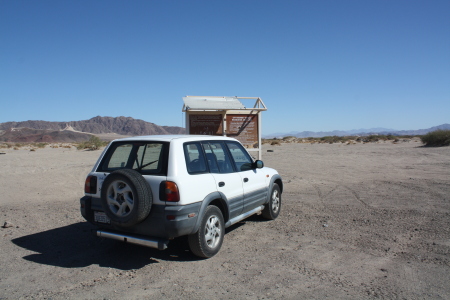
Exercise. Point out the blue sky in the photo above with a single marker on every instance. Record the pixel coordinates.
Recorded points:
(317, 65)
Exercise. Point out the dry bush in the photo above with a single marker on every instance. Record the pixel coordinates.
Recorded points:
(436, 138)
(39, 145)
(275, 143)
(94, 143)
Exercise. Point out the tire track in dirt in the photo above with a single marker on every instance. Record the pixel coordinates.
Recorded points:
(322, 196)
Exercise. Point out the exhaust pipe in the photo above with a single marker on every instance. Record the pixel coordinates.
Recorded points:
(156, 243)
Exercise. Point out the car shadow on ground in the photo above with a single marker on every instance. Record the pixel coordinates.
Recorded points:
(76, 246)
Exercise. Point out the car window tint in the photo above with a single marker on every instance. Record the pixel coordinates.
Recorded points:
(195, 160)
(242, 159)
(147, 157)
(211, 158)
(119, 157)
(223, 159)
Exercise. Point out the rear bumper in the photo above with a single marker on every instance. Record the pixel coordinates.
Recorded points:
(160, 244)
(164, 221)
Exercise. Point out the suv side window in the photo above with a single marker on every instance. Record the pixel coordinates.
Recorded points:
(195, 159)
(242, 159)
(218, 159)
(221, 154)
(211, 158)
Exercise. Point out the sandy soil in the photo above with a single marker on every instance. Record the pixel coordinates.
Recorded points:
(358, 221)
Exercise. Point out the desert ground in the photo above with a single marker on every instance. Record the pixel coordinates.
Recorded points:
(362, 221)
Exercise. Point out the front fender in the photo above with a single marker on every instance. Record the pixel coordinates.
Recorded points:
(275, 179)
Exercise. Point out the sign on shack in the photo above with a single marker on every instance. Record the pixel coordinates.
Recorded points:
(225, 116)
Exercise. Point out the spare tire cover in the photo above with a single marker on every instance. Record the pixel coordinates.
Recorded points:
(126, 197)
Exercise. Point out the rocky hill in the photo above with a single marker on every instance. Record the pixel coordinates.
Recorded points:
(98, 125)
(28, 135)
(41, 131)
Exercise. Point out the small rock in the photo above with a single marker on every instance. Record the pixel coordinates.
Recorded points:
(325, 225)
(7, 225)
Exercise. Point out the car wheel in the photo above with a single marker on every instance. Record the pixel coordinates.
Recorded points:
(206, 242)
(272, 209)
(126, 197)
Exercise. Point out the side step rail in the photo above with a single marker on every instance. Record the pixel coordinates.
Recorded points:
(243, 216)
(156, 243)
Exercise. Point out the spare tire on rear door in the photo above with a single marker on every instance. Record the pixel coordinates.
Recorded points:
(126, 197)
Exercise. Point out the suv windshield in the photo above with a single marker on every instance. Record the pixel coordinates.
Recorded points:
(145, 157)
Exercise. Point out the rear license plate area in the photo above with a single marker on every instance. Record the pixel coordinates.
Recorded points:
(101, 217)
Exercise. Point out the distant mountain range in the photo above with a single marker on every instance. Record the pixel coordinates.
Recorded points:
(44, 131)
(357, 132)
(76, 131)
(29, 135)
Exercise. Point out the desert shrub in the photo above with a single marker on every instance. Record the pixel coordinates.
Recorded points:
(334, 139)
(271, 141)
(372, 138)
(94, 143)
(436, 138)
(275, 143)
(81, 146)
(310, 140)
(40, 145)
(289, 139)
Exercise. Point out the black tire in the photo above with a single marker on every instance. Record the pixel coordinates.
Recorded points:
(272, 209)
(126, 197)
(206, 242)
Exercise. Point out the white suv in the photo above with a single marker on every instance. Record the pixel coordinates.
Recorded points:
(150, 189)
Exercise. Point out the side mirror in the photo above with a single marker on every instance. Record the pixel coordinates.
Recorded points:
(259, 164)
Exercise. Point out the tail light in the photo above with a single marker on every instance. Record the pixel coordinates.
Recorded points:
(171, 193)
(90, 185)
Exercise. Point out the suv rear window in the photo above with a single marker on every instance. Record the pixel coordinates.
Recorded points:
(145, 157)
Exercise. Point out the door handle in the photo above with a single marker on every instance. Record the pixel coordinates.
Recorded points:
(245, 179)
(221, 184)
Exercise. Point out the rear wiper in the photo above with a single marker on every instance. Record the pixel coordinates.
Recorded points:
(148, 164)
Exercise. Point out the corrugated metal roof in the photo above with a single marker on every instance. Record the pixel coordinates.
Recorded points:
(207, 103)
